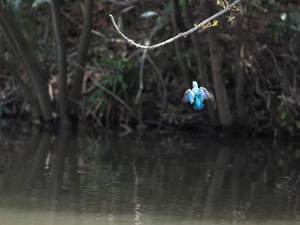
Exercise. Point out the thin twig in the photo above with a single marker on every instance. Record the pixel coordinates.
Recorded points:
(96, 83)
(122, 2)
(89, 111)
(144, 55)
(10, 100)
(115, 96)
(141, 86)
(180, 35)
(162, 82)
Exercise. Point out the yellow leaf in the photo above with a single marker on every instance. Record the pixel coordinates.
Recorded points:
(236, 8)
(230, 18)
(215, 23)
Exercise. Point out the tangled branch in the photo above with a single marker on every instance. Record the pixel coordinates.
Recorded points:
(180, 35)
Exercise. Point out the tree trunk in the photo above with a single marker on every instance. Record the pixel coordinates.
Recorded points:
(176, 21)
(20, 47)
(61, 62)
(82, 54)
(216, 65)
(240, 76)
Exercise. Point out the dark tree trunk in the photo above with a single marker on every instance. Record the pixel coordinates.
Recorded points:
(21, 49)
(240, 76)
(179, 50)
(82, 54)
(218, 78)
(61, 62)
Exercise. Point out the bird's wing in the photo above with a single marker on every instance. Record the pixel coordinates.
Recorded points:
(188, 96)
(206, 94)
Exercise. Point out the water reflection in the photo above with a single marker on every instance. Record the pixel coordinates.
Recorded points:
(169, 180)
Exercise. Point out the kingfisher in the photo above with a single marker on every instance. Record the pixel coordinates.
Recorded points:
(196, 95)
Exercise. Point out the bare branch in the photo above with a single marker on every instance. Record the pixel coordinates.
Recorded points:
(180, 35)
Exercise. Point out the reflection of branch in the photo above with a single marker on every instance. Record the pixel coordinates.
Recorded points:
(137, 216)
(180, 35)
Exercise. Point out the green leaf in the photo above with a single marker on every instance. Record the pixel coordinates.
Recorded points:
(14, 5)
(181, 3)
(168, 7)
(36, 3)
(276, 31)
(280, 162)
(159, 21)
(148, 14)
(283, 115)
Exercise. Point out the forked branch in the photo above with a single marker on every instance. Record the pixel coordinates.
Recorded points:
(180, 35)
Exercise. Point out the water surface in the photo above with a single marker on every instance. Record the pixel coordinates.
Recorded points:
(179, 179)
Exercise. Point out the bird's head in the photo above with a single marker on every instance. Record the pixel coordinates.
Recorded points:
(195, 84)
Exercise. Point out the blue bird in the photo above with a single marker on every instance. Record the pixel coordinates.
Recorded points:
(196, 96)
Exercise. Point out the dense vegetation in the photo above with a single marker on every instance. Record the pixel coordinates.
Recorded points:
(66, 63)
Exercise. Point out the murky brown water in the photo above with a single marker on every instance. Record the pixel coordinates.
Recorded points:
(168, 180)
